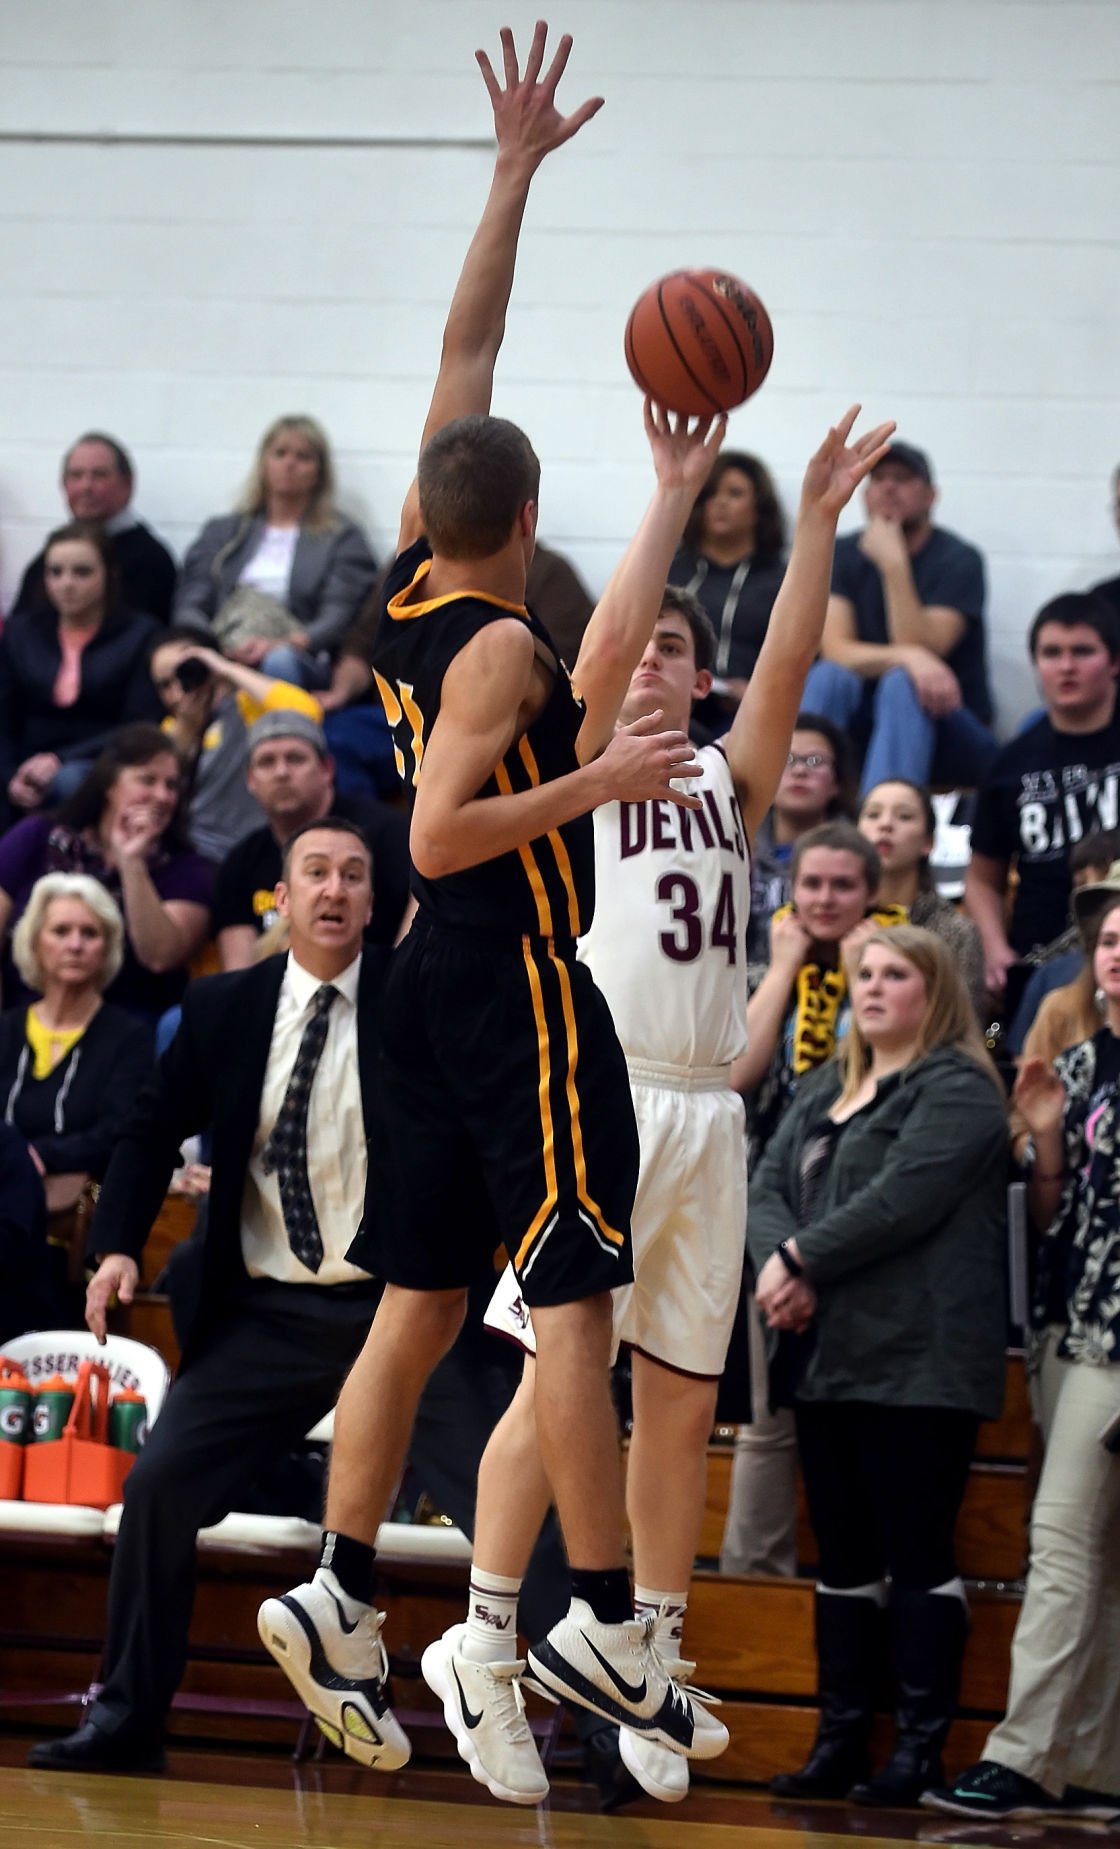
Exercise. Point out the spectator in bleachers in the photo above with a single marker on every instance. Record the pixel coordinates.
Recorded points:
(73, 669)
(1061, 964)
(1052, 784)
(98, 480)
(124, 826)
(898, 819)
(814, 789)
(732, 558)
(800, 1008)
(555, 592)
(211, 703)
(1057, 1751)
(878, 1234)
(291, 776)
(904, 660)
(70, 1062)
(354, 722)
(281, 580)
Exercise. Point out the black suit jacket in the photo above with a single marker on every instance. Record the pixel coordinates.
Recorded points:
(211, 1077)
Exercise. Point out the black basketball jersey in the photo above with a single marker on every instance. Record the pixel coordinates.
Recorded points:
(547, 887)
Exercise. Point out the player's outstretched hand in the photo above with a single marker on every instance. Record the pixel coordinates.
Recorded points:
(641, 762)
(835, 472)
(684, 448)
(527, 123)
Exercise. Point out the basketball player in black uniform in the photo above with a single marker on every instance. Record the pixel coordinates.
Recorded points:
(509, 1106)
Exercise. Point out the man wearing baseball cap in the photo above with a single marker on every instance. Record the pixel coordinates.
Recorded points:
(291, 775)
(903, 662)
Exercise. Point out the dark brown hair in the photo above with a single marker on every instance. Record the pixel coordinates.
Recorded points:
(841, 838)
(475, 476)
(133, 745)
(770, 528)
(686, 604)
(93, 534)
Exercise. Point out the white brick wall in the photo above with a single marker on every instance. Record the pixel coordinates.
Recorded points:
(212, 211)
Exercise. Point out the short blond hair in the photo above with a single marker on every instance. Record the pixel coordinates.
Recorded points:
(98, 902)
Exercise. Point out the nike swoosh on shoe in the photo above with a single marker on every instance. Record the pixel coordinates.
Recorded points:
(346, 1629)
(323, 1671)
(628, 1690)
(471, 1718)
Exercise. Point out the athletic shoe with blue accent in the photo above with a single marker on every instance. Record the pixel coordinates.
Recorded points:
(991, 1790)
(484, 1708)
(329, 1647)
(614, 1670)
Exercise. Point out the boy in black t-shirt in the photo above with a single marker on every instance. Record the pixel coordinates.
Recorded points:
(1057, 781)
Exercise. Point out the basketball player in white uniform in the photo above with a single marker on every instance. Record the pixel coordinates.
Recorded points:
(667, 948)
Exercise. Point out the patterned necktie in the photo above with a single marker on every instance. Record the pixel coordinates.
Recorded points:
(285, 1151)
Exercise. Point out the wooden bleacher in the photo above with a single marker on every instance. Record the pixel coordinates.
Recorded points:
(752, 1637)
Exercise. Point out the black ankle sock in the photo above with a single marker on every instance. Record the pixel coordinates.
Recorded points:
(351, 1562)
(607, 1593)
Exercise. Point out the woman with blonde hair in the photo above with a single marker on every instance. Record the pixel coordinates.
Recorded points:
(282, 579)
(877, 1229)
(70, 1063)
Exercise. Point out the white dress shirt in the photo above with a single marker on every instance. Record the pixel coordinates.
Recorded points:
(336, 1138)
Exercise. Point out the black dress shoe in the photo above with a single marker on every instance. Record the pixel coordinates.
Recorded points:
(604, 1767)
(92, 1749)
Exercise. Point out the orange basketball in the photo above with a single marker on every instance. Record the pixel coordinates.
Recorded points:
(699, 341)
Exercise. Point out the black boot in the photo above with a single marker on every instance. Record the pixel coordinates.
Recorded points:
(849, 1632)
(928, 1634)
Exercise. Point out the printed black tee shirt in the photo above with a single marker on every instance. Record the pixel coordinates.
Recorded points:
(244, 892)
(1045, 791)
(545, 889)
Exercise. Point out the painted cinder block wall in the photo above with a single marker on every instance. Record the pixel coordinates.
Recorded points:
(212, 211)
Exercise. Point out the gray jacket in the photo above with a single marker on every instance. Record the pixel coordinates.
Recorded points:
(907, 1247)
(332, 574)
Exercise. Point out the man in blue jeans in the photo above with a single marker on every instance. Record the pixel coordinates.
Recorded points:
(903, 662)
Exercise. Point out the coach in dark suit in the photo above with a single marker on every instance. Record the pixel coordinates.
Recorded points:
(281, 1313)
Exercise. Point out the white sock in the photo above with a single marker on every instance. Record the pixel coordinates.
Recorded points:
(491, 1633)
(667, 1609)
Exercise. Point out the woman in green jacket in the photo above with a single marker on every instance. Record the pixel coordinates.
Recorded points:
(877, 1229)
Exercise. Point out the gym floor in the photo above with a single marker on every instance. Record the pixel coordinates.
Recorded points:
(233, 1800)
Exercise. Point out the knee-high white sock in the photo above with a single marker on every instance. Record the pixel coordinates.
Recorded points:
(491, 1633)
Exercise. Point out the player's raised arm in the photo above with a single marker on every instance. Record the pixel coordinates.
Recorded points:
(757, 744)
(622, 621)
(528, 126)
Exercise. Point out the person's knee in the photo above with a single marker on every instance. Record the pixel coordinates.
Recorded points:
(156, 1478)
(832, 690)
(586, 1323)
(895, 689)
(679, 1405)
(429, 1320)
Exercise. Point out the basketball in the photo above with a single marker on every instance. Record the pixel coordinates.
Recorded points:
(699, 341)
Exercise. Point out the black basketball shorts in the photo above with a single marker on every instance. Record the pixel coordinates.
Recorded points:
(507, 1119)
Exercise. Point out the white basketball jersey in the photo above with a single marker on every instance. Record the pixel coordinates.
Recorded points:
(668, 942)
